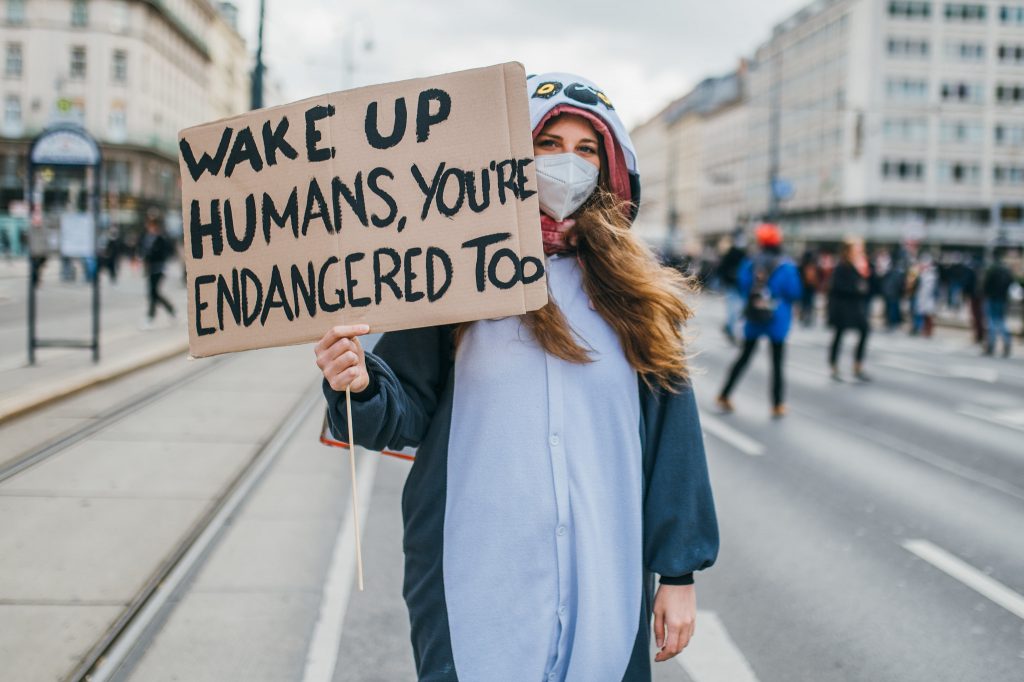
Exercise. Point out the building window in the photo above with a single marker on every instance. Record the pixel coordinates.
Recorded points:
(906, 171)
(1008, 175)
(117, 124)
(79, 13)
(119, 69)
(973, 93)
(907, 48)
(77, 69)
(1011, 54)
(959, 173)
(907, 89)
(1009, 94)
(965, 52)
(1009, 135)
(1011, 14)
(910, 10)
(120, 15)
(12, 115)
(905, 129)
(16, 11)
(958, 11)
(962, 132)
(12, 61)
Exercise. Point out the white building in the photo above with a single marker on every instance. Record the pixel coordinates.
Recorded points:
(133, 72)
(693, 157)
(896, 120)
(892, 119)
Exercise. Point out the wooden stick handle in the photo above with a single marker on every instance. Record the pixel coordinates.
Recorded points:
(355, 495)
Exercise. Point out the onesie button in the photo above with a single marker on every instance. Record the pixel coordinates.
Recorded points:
(561, 530)
(554, 439)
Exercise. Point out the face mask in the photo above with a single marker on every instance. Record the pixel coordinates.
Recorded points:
(564, 182)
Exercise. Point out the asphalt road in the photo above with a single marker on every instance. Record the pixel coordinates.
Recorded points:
(876, 533)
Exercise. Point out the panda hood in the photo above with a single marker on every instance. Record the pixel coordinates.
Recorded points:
(552, 94)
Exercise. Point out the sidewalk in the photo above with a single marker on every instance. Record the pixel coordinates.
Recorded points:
(64, 311)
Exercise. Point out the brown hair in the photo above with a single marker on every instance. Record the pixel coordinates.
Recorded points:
(638, 297)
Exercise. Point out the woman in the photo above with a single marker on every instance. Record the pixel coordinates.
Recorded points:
(560, 460)
(848, 297)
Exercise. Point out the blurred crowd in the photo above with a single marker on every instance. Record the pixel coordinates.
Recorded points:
(907, 287)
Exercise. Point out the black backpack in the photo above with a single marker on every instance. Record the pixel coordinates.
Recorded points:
(761, 304)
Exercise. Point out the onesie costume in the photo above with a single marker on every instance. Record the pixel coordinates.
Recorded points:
(545, 495)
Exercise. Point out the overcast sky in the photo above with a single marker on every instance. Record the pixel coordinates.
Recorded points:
(643, 53)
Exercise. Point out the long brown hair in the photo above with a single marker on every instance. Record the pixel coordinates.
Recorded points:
(639, 298)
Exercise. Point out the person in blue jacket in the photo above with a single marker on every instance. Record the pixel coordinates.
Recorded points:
(560, 463)
(770, 284)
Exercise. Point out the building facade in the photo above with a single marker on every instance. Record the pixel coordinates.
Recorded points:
(693, 155)
(896, 120)
(133, 73)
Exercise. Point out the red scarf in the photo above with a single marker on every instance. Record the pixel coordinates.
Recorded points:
(553, 234)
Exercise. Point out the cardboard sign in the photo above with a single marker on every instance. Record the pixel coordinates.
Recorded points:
(401, 205)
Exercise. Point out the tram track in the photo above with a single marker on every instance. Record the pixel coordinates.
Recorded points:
(104, 419)
(116, 652)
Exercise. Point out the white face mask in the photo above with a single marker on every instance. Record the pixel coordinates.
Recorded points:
(564, 182)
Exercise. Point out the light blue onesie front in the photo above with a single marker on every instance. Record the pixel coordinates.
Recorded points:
(542, 536)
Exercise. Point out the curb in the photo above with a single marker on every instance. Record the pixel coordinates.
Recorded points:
(54, 391)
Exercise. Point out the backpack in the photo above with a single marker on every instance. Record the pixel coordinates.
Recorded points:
(761, 303)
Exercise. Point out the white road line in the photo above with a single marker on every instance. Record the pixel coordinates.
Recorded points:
(968, 575)
(722, 431)
(1006, 418)
(712, 656)
(322, 655)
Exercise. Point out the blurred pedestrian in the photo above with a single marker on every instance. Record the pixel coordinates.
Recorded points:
(111, 248)
(567, 439)
(925, 294)
(5, 244)
(809, 282)
(848, 297)
(972, 294)
(892, 285)
(996, 289)
(728, 275)
(156, 249)
(770, 284)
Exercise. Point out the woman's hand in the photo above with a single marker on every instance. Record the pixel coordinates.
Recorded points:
(675, 610)
(339, 355)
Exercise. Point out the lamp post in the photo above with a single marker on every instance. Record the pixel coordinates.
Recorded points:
(256, 101)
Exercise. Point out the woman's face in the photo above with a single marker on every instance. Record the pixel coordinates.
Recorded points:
(569, 133)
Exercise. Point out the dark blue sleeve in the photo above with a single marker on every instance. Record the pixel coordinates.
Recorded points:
(408, 372)
(680, 525)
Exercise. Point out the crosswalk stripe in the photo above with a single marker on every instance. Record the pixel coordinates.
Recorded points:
(722, 431)
(712, 656)
(322, 655)
(968, 575)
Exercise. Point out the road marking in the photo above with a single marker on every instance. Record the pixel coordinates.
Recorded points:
(987, 375)
(712, 656)
(1011, 419)
(968, 575)
(901, 447)
(722, 431)
(322, 655)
